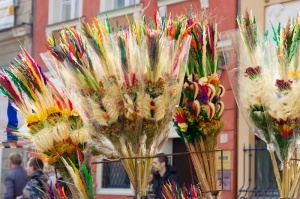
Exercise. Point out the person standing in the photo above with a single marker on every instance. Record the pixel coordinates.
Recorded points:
(16, 179)
(165, 173)
(37, 186)
(150, 192)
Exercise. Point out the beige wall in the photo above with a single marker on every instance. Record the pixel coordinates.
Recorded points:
(258, 8)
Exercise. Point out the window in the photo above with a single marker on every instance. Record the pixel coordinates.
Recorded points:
(66, 10)
(63, 10)
(114, 176)
(161, 3)
(121, 3)
(69, 9)
(118, 8)
(265, 182)
(108, 5)
(264, 179)
(112, 179)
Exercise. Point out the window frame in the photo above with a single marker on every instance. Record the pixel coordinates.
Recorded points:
(109, 5)
(135, 9)
(54, 5)
(161, 3)
(49, 29)
(110, 191)
(167, 148)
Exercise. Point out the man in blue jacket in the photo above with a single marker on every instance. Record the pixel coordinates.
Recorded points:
(165, 173)
(15, 180)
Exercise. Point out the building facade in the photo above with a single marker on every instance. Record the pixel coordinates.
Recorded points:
(15, 31)
(51, 15)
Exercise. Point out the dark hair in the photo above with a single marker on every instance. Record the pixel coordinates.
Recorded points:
(162, 158)
(15, 158)
(36, 163)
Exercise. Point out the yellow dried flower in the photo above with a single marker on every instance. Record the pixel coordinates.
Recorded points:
(66, 112)
(183, 127)
(295, 74)
(52, 110)
(33, 118)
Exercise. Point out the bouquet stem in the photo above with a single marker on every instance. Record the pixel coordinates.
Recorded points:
(276, 171)
(198, 166)
(289, 183)
(138, 170)
(209, 195)
(204, 161)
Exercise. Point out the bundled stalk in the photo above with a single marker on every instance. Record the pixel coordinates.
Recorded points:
(282, 112)
(251, 84)
(129, 82)
(52, 124)
(198, 117)
(270, 95)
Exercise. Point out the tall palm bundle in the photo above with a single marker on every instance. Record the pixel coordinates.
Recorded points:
(282, 104)
(127, 84)
(198, 116)
(249, 86)
(53, 125)
(252, 75)
(267, 85)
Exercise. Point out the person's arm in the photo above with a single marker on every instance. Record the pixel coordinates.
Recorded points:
(32, 189)
(9, 187)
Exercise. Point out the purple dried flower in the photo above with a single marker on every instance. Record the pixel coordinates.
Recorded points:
(202, 98)
(50, 191)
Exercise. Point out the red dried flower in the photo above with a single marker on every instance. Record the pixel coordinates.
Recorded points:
(253, 72)
(283, 85)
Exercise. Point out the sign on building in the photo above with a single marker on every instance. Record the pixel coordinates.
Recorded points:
(7, 14)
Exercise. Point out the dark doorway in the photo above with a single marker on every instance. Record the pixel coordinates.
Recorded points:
(183, 164)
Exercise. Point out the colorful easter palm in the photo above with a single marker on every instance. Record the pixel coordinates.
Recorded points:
(198, 117)
(266, 87)
(283, 102)
(53, 125)
(251, 76)
(249, 80)
(127, 84)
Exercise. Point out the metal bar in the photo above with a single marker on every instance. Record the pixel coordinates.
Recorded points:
(244, 160)
(171, 154)
(135, 179)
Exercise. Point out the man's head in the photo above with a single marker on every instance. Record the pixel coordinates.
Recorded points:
(33, 164)
(160, 162)
(15, 159)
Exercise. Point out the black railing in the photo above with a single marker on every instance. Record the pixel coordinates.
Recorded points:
(114, 175)
(260, 183)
